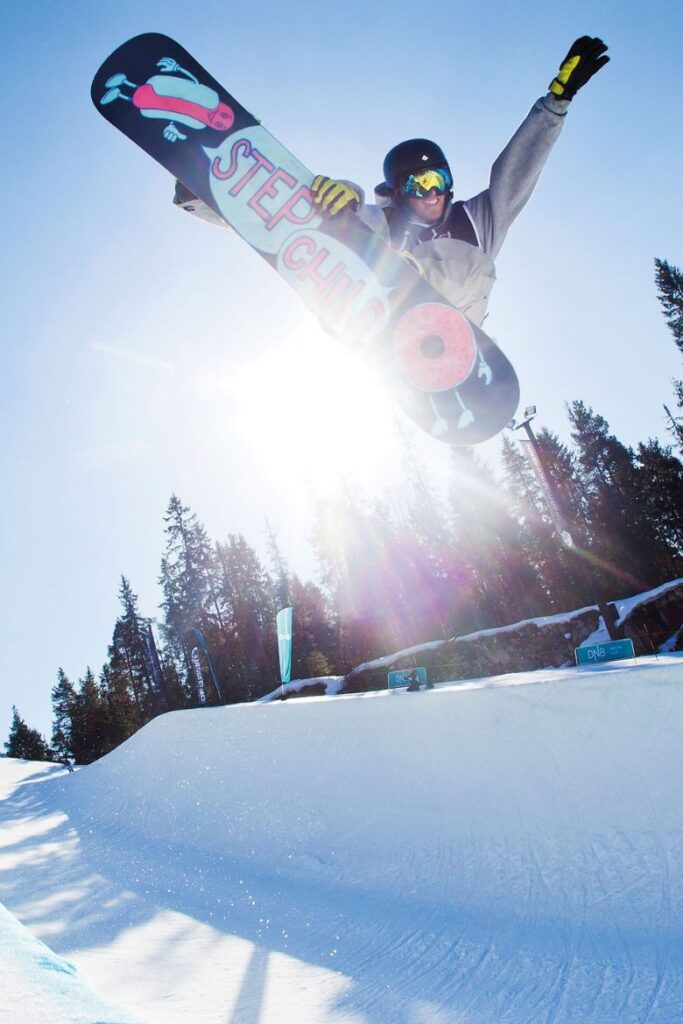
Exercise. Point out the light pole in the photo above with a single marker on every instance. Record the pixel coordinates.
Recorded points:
(535, 457)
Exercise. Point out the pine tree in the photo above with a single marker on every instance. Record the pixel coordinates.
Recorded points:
(248, 607)
(89, 739)
(122, 715)
(495, 579)
(183, 572)
(549, 509)
(619, 531)
(419, 543)
(63, 711)
(189, 585)
(329, 567)
(279, 570)
(669, 281)
(129, 661)
(351, 545)
(661, 475)
(313, 649)
(396, 565)
(676, 422)
(26, 743)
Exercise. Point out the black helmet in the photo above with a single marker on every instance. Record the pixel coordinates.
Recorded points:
(408, 157)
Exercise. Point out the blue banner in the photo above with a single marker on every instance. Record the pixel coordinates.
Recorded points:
(284, 642)
(152, 661)
(198, 677)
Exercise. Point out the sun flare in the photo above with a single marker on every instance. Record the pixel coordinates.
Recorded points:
(313, 414)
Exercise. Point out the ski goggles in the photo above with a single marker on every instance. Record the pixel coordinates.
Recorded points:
(420, 184)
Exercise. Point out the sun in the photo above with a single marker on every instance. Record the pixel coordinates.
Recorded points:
(312, 413)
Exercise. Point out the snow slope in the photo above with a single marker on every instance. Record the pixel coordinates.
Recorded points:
(38, 985)
(508, 850)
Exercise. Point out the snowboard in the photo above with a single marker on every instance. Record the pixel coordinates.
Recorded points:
(443, 370)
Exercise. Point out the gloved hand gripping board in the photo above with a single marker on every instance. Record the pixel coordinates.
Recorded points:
(448, 376)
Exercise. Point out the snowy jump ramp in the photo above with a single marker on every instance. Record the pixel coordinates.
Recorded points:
(503, 851)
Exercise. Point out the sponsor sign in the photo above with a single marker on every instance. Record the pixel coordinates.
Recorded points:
(613, 650)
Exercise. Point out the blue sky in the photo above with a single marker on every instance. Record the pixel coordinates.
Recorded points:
(144, 353)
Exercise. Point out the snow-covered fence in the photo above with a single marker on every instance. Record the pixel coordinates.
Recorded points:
(651, 620)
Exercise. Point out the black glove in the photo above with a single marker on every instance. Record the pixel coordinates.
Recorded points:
(333, 196)
(585, 57)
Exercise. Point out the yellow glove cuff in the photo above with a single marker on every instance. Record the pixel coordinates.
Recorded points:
(558, 83)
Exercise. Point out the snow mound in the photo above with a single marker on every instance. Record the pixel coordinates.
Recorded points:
(508, 850)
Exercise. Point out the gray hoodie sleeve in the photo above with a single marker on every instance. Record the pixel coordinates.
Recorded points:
(515, 173)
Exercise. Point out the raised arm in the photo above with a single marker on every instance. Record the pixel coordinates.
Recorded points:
(516, 171)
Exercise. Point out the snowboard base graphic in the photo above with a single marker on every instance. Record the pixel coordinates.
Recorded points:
(449, 376)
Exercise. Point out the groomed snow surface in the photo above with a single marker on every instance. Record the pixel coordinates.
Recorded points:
(508, 850)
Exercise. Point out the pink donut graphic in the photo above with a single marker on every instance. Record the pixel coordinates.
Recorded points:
(435, 347)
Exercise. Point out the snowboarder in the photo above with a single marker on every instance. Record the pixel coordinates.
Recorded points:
(453, 244)
(413, 679)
